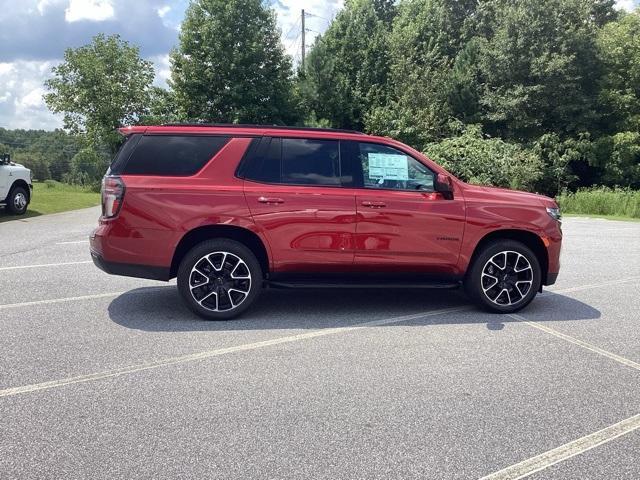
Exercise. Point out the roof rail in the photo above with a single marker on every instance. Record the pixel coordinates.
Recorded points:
(270, 127)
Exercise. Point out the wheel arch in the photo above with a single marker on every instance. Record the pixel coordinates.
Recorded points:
(207, 232)
(20, 183)
(528, 238)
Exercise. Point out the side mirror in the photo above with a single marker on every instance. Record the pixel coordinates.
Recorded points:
(444, 185)
(5, 158)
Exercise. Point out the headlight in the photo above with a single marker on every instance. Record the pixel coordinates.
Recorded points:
(554, 213)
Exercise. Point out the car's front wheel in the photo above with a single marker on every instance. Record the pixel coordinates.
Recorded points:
(504, 277)
(219, 279)
(18, 200)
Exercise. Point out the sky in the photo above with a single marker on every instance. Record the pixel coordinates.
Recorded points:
(35, 33)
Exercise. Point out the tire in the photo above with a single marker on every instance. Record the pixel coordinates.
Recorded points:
(219, 279)
(18, 200)
(504, 277)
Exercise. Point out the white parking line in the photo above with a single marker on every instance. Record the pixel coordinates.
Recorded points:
(576, 341)
(594, 285)
(566, 451)
(42, 265)
(59, 300)
(220, 351)
(72, 243)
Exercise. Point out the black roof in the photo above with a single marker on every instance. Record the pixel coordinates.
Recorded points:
(270, 127)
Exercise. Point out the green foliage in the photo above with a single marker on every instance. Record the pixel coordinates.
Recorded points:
(163, 108)
(48, 154)
(488, 161)
(556, 82)
(427, 36)
(601, 201)
(618, 158)
(619, 51)
(559, 158)
(100, 87)
(230, 65)
(538, 67)
(346, 72)
(87, 168)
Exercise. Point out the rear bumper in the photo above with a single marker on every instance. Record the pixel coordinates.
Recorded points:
(130, 270)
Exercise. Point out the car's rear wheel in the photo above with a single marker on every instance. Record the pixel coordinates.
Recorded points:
(504, 277)
(18, 200)
(219, 279)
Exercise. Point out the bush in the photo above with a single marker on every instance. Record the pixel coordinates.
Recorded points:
(487, 161)
(87, 168)
(620, 202)
(51, 183)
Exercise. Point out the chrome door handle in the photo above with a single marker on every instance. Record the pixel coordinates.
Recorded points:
(369, 204)
(270, 200)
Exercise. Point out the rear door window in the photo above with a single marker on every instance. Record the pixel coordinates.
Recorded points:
(310, 162)
(172, 155)
(296, 161)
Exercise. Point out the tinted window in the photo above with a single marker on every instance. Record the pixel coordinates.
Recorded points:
(172, 155)
(310, 162)
(295, 162)
(390, 169)
(263, 164)
(120, 160)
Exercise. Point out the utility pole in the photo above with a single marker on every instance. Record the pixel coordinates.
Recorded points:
(303, 45)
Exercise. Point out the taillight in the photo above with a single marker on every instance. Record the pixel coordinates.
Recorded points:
(112, 196)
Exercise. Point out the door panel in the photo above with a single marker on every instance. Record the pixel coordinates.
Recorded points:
(403, 225)
(293, 187)
(416, 232)
(308, 228)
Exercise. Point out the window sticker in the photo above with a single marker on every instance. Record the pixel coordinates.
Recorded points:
(388, 166)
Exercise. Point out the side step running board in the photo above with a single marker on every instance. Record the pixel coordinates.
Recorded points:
(307, 284)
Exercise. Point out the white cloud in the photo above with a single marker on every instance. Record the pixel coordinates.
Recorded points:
(21, 102)
(32, 100)
(628, 5)
(162, 11)
(21, 80)
(93, 10)
(162, 67)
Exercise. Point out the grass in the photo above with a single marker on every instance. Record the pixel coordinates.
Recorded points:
(55, 197)
(618, 203)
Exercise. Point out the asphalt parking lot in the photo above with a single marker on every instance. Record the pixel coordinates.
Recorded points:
(110, 377)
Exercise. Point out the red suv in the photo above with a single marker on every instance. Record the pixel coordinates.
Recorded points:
(230, 209)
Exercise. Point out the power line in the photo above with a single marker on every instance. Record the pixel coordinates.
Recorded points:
(295, 26)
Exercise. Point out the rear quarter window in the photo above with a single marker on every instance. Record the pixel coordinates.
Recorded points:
(172, 155)
(124, 152)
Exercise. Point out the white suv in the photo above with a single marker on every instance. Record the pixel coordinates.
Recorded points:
(16, 186)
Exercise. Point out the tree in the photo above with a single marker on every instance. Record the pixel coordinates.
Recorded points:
(538, 67)
(230, 65)
(163, 108)
(426, 38)
(87, 167)
(619, 51)
(347, 69)
(100, 87)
